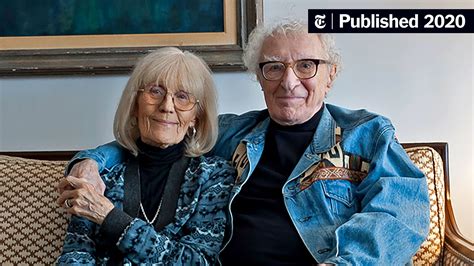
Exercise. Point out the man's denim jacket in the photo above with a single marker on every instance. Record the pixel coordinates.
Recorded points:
(354, 196)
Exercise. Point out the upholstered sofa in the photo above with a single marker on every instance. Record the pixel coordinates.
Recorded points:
(32, 226)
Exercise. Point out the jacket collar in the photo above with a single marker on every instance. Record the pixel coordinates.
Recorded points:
(325, 136)
(323, 140)
(257, 135)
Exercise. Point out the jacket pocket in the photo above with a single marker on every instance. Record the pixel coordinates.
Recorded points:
(340, 194)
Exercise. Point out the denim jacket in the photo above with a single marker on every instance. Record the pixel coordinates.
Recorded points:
(194, 236)
(354, 196)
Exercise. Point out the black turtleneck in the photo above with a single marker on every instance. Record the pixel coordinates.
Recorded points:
(155, 164)
(263, 232)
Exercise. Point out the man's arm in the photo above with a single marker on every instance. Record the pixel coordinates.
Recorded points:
(106, 156)
(394, 217)
(86, 169)
(88, 164)
(232, 128)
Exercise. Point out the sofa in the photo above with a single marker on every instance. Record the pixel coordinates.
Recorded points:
(32, 225)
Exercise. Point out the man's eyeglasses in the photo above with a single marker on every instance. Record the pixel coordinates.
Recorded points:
(303, 69)
(155, 94)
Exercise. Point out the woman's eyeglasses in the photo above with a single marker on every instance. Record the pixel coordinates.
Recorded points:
(155, 94)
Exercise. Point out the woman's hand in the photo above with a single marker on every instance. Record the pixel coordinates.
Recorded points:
(86, 169)
(83, 200)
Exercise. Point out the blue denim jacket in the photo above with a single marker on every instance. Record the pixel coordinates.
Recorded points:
(354, 196)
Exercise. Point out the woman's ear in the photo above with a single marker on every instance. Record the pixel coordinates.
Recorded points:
(193, 122)
(135, 109)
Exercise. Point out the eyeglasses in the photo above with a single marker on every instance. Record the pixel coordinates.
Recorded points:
(303, 69)
(155, 94)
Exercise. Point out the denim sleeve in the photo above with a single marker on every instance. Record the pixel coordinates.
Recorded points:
(199, 240)
(394, 218)
(79, 247)
(106, 156)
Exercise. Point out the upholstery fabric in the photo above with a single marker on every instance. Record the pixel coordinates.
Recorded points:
(32, 225)
(431, 164)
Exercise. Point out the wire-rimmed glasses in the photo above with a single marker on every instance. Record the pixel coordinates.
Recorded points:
(155, 94)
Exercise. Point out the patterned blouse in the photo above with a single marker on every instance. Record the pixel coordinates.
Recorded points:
(194, 236)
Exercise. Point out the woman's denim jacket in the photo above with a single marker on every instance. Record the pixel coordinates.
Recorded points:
(354, 196)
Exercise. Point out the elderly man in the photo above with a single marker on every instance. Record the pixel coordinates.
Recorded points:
(316, 183)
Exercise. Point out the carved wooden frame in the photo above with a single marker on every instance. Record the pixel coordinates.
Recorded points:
(121, 60)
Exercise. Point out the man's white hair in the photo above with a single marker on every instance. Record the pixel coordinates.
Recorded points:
(285, 27)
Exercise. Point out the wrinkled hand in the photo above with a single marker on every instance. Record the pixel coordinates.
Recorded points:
(84, 200)
(87, 170)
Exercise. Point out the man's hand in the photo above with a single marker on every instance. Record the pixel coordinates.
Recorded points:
(88, 171)
(84, 200)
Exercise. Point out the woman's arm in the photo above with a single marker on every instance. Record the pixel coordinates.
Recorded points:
(79, 247)
(88, 209)
(196, 241)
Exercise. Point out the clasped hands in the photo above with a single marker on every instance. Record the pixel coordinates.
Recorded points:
(81, 192)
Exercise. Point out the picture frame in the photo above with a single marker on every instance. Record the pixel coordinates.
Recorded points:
(222, 51)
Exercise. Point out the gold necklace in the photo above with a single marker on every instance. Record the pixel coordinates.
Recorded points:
(156, 214)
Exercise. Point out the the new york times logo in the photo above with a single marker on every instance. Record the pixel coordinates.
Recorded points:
(320, 21)
(391, 21)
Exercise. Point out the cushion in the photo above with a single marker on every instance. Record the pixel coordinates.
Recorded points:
(32, 225)
(431, 164)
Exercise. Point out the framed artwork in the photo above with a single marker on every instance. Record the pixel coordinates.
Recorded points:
(65, 37)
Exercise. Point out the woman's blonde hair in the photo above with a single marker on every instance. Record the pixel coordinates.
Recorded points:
(171, 68)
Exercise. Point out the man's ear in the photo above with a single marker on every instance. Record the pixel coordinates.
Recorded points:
(259, 79)
(332, 76)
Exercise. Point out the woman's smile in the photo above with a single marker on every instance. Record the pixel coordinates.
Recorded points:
(165, 122)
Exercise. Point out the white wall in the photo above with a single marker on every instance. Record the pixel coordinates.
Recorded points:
(423, 82)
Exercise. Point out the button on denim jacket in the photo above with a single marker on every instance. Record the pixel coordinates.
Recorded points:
(354, 197)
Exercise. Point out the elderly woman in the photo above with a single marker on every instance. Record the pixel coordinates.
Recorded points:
(166, 203)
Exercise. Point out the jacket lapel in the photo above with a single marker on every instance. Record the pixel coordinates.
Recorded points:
(131, 203)
(171, 193)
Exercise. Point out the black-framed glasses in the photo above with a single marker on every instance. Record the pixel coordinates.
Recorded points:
(303, 68)
(155, 94)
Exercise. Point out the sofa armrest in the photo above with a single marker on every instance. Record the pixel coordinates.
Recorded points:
(458, 249)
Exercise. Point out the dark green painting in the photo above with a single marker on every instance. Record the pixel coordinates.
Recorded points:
(84, 17)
